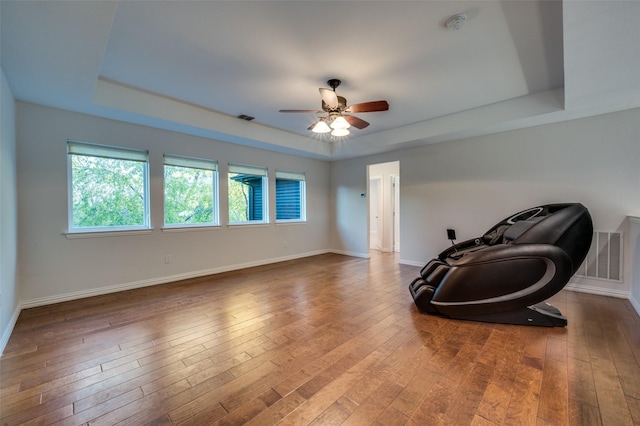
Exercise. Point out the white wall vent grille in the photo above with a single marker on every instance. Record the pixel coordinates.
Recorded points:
(604, 260)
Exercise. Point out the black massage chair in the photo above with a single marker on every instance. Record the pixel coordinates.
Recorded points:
(505, 275)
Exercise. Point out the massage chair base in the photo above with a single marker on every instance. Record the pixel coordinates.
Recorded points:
(541, 315)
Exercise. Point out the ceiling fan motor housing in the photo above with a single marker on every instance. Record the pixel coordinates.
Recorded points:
(333, 83)
(342, 105)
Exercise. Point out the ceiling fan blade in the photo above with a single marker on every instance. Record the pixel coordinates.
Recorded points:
(356, 122)
(300, 110)
(329, 97)
(369, 107)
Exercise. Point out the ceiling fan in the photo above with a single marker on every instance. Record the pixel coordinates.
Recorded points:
(338, 119)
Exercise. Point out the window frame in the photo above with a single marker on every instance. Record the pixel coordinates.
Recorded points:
(258, 171)
(292, 176)
(193, 163)
(90, 149)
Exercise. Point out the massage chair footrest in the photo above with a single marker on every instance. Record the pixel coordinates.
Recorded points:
(422, 293)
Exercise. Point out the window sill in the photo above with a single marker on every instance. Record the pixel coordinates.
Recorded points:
(245, 225)
(290, 222)
(195, 228)
(100, 234)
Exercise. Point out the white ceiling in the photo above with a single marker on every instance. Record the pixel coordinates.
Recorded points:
(192, 66)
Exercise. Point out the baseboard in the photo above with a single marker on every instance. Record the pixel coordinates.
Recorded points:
(351, 253)
(178, 277)
(159, 280)
(598, 290)
(7, 331)
(635, 304)
(412, 263)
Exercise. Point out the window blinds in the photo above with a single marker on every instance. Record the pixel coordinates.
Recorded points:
(104, 151)
(247, 170)
(193, 163)
(280, 174)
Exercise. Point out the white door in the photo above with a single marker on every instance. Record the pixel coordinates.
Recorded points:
(395, 191)
(375, 213)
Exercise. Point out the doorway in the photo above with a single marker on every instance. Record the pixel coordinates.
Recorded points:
(395, 194)
(376, 213)
(384, 206)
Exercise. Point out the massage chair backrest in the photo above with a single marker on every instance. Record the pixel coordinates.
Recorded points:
(567, 226)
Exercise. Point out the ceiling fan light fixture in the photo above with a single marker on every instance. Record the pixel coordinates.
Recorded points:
(340, 123)
(340, 132)
(321, 127)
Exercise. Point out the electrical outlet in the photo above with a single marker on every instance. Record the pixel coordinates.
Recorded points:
(167, 258)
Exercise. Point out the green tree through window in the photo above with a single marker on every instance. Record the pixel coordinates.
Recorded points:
(190, 191)
(107, 188)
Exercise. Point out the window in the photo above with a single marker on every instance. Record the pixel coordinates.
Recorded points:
(290, 196)
(108, 188)
(247, 194)
(190, 191)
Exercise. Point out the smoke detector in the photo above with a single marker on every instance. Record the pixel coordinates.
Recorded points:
(456, 22)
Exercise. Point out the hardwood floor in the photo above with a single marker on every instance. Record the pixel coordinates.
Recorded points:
(325, 340)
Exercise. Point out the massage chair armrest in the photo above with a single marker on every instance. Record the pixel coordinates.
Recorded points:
(502, 278)
(459, 247)
(505, 252)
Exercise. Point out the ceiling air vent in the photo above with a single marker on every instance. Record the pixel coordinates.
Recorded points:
(245, 117)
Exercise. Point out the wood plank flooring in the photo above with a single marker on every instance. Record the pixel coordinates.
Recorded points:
(325, 340)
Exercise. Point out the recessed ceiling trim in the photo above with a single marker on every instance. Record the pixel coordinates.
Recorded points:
(125, 98)
(501, 115)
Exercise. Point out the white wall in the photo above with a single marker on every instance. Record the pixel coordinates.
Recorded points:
(634, 254)
(54, 268)
(471, 184)
(349, 205)
(9, 294)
